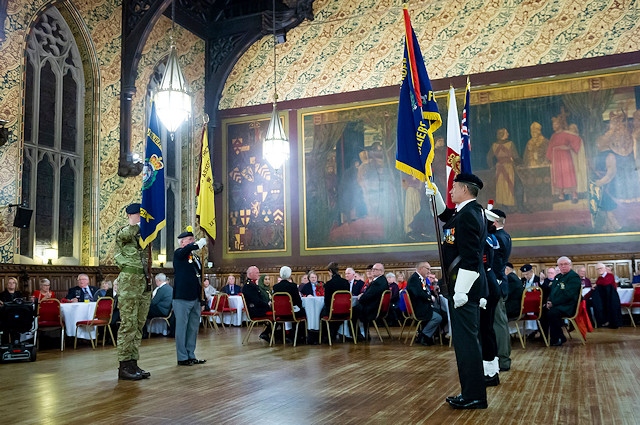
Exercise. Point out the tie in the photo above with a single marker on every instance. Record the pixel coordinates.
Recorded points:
(231, 290)
(87, 294)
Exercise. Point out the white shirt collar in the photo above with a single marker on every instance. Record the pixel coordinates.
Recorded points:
(463, 203)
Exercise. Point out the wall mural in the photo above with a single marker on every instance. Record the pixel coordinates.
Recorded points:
(561, 158)
(256, 192)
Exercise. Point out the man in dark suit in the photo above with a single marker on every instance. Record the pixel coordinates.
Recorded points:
(336, 283)
(256, 305)
(464, 235)
(366, 308)
(422, 303)
(355, 285)
(161, 301)
(513, 303)
(187, 295)
(83, 291)
(231, 288)
(501, 322)
(312, 286)
(563, 300)
(529, 278)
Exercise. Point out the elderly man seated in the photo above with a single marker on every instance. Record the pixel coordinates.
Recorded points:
(605, 300)
(422, 302)
(563, 300)
(161, 300)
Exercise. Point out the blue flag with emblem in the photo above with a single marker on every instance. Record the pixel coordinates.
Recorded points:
(152, 209)
(465, 150)
(418, 115)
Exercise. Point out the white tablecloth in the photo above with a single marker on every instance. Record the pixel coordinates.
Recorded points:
(74, 312)
(313, 306)
(235, 301)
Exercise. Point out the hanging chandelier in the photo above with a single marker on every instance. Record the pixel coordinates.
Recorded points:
(275, 148)
(173, 100)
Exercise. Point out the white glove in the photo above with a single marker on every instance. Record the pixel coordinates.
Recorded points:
(440, 205)
(459, 299)
(464, 282)
(201, 242)
(483, 303)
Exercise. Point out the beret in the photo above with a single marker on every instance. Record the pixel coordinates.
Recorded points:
(186, 233)
(133, 208)
(526, 268)
(469, 178)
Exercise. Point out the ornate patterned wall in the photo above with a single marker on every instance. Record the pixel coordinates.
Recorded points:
(99, 23)
(357, 44)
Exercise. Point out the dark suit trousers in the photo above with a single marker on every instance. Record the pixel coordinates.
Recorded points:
(465, 322)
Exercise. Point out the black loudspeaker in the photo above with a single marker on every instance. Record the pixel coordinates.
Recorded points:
(22, 218)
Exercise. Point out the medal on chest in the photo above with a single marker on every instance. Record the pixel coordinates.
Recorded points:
(449, 235)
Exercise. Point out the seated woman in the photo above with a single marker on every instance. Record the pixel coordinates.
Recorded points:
(209, 292)
(104, 287)
(264, 285)
(291, 288)
(10, 293)
(45, 291)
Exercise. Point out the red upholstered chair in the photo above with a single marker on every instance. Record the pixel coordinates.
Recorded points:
(282, 306)
(573, 322)
(340, 310)
(409, 315)
(209, 317)
(530, 309)
(635, 303)
(252, 321)
(101, 317)
(50, 318)
(383, 311)
(223, 306)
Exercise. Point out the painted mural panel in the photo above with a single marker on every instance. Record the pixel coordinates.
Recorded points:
(560, 157)
(255, 192)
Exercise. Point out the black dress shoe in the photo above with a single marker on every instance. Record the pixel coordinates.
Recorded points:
(492, 381)
(197, 361)
(463, 403)
(454, 398)
(419, 338)
(265, 337)
(505, 369)
(427, 341)
(184, 363)
(557, 343)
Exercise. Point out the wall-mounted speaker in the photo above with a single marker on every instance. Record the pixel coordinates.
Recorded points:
(22, 218)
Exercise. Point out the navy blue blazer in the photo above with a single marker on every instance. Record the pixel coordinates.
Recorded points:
(188, 269)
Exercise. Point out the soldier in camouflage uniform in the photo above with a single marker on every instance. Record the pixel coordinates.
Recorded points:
(134, 294)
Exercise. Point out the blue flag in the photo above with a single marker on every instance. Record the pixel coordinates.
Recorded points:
(418, 116)
(152, 209)
(465, 151)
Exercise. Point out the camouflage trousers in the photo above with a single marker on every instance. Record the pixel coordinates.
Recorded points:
(133, 302)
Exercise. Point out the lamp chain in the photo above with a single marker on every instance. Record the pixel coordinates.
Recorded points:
(275, 86)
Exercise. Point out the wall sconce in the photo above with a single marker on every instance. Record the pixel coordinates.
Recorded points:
(162, 258)
(50, 254)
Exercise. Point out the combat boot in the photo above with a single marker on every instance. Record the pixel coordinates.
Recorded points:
(142, 372)
(127, 372)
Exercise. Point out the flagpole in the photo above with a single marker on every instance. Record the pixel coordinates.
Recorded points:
(436, 223)
(205, 260)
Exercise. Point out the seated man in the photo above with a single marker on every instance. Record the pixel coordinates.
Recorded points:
(605, 300)
(516, 287)
(423, 303)
(256, 305)
(161, 302)
(313, 287)
(231, 288)
(394, 313)
(366, 308)
(336, 283)
(83, 291)
(563, 300)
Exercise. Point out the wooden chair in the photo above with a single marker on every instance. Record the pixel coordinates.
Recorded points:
(209, 317)
(252, 321)
(224, 308)
(340, 310)
(50, 318)
(153, 319)
(101, 317)
(383, 311)
(530, 309)
(409, 315)
(282, 306)
(635, 303)
(572, 321)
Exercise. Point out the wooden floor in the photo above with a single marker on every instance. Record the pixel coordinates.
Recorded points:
(375, 383)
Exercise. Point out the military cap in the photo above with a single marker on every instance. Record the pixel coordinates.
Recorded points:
(188, 232)
(509, 265)
(526, 268)
(491, 216)
(133, 208)
(470, 179)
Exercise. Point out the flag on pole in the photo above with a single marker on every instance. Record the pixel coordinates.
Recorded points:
(206, 209)
(418, 116)
(454, 143)
(152, 209)
(465, 150)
